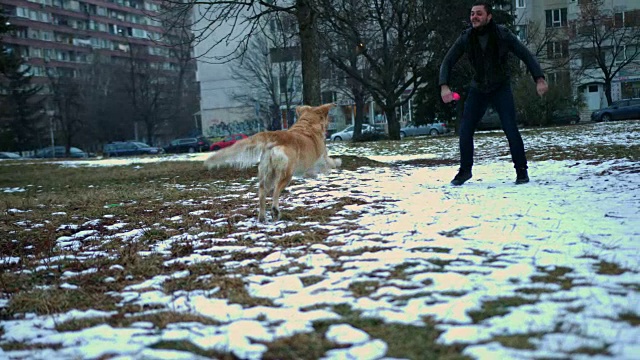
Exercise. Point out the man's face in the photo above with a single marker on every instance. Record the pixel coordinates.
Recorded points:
(479, 16)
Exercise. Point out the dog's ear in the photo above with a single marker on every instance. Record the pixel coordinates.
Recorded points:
(324, 109)
(302, 108)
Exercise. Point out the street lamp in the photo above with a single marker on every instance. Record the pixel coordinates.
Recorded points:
(51, 113)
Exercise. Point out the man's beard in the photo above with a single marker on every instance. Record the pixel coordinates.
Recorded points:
(482, 28)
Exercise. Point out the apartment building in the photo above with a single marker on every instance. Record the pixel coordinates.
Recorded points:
(66, 34)
(58, 38)
(552, 28)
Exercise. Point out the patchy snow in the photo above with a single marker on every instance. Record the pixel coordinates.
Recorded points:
(459, 248)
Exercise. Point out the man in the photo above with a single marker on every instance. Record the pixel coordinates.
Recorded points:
(488, 46)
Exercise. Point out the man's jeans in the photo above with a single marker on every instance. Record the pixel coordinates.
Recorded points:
(474, 108)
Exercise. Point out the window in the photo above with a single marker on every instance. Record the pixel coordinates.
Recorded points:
(521, 32)
(626, 19)
(625, 52)
(328, 96)
(520, 4)
(557, 49)
(556, 17)
(139, 33)
(592, 58)
(22, 12)
(503, 7)
(283, 84)
(559, 78)
(285, 54)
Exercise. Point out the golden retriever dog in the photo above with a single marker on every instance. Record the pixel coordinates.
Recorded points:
(281, 154)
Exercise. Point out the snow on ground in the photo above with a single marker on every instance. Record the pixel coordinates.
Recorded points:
(460, 247)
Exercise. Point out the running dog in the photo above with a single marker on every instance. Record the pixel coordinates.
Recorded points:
(281, 154)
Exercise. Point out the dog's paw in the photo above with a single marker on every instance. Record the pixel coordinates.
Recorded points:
(275, 213)
(311, 174)
(337, 162)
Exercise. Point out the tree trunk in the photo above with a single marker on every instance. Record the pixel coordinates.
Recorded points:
(150, 132)
(358, 99)
(607, 91)
(359, 102)
(310, 54)
(392, 122)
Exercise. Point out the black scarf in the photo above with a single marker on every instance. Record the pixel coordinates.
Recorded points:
(490, 57)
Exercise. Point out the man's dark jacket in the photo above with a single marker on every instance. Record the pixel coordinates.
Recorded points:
(496, 68)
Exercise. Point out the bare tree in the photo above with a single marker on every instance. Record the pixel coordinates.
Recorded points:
(346, 54)
(108, 110)
(392, 40)
(347, 86)
(256, 72)
(149, 88)
(270, 69)
(607, 42)
(235, 22)
(179, 41)
(67, 103)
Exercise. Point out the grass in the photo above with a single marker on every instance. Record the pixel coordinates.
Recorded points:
(403, 341)
(151, 221)
(500, 306)
(609, 268)
(186, 346)
(555, 276)
(53, 301)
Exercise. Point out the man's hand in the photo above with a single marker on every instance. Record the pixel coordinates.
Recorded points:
(541, 86)
(446, 94)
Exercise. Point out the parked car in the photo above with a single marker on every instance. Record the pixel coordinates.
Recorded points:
(188, 145)
(59, 152)
(227, 141)
(566, 116)
(347, 133)
(490, 121)
(128, 148)
(438, 128)
(618, 110)
(9, 155)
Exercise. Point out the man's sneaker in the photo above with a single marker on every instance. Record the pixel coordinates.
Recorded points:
(461, 177)
(522, 177)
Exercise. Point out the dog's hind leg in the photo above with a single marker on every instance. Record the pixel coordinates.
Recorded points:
(262, 193)
(281, 183)
(265, 185)
(282, 172)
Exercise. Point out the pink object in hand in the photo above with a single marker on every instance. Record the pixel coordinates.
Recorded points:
(456, 96)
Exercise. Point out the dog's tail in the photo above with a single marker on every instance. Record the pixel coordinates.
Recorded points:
(243, 154)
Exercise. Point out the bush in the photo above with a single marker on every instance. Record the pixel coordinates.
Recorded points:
(533, 110)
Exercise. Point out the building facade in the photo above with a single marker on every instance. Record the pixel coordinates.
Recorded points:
(553, 27)
(220, 111)
(65, 34)
(58, 38)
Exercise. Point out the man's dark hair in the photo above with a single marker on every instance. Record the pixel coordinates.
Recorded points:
(487, 5)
